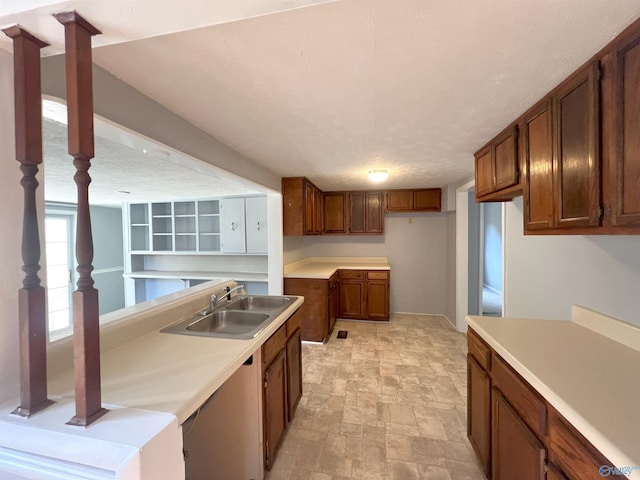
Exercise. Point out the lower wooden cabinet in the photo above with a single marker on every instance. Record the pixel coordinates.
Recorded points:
(294, 373)
(364, 295)
(314, 312)
(515, 432)
(275, 407)
(281, 384)
(479, 412)
(516, 452)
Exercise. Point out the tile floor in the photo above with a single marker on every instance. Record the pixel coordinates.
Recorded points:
(388, 402)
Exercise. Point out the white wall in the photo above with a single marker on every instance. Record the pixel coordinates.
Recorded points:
(473, 292)
(11, 219)
(545, 275)
(417, 254)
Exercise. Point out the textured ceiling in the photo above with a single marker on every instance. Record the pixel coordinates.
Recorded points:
(330, 91)
(158, 175)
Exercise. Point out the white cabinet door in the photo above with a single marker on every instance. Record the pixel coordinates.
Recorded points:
(256, 214)
(232, 228)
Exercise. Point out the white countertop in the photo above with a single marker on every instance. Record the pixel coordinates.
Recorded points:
(324, 267)
(592, 380)
(167, 372)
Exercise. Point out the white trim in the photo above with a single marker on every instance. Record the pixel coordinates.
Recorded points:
(462, 254)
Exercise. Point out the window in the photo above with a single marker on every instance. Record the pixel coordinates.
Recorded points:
(60, 272)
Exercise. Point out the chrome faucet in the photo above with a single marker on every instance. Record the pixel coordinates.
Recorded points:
(215, 298)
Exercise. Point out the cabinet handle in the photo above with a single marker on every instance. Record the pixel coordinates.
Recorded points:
(233, 226)
(258, 226)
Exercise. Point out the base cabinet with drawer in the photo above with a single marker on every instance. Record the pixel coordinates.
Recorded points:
(514, 431)
(363, 294)
(282, 384)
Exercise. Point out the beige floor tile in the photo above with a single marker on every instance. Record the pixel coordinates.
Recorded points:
(388, 402)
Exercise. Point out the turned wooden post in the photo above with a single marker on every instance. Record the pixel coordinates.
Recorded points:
(31, 298)
(86, 326)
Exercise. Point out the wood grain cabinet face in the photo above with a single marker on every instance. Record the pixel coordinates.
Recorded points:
(498, 168)
(352, 298)
(538, 168)
(577, 159)
(484, 172)
(417, 200)
(479, 412)
(624, 165)
(294, 373)
(335, 209)
(275, 407)
(517, 453)
(301, 207)
(366, 213)
(561, 157)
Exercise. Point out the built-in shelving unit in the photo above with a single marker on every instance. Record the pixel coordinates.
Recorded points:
(176, 245)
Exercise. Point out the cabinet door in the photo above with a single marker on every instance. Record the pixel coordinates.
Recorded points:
(309, 209)
(505, 159)
(335, 212)
(624, 167)
(577, 159)
(516, 452)
(484, 173)
(233, 225)
(374, 214)
(427, 200)
(351, 299)
(399, 201)
(294, 373)
(256, 224)
(479, 412)
(317, 212)
(357, 212)
(538, 167)
(275, 407)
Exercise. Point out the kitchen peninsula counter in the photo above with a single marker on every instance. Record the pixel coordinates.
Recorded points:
(167, 372)
(587, 369)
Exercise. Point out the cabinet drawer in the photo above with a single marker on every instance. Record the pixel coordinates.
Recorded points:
(274, 345)
(479, 350)
(293, 323)
(351, 274)
(529, 405)
(572, 452)
(382, 275)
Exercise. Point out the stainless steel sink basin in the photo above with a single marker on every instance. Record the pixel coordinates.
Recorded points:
(243, 317)
(257, 302)
(232, 322)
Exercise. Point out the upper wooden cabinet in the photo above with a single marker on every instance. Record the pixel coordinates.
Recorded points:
(561, 138)
(309, 211)
(416, 200)
(301, 207)
(366, 213)
(353, 213)
(335, 212)
(498, 169)
(621, 116)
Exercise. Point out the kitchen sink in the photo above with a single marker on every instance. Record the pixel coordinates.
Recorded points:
(257, 302)
(232, 322)
(243, 317)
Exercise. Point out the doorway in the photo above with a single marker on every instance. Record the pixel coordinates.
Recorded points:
(491, 259)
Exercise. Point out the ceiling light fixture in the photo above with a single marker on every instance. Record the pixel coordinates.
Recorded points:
(378, 175)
